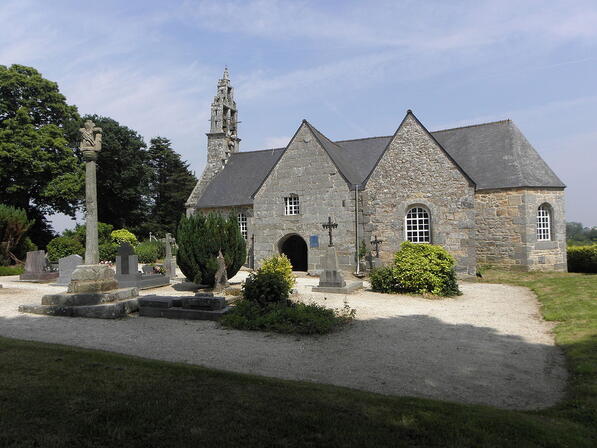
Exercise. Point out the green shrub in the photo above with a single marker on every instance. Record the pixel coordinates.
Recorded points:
(281, 264)
(418, 268)
(582, 259)
(64, 246)
(14, 225)
(285, 317)
(11, 270)
(200, 238)
(108, 251)
(124, 236)
(382, 280)
(264, 288)
(103, 233)
(149, 251)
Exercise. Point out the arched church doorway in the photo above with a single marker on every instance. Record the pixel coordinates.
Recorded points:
(295, 248)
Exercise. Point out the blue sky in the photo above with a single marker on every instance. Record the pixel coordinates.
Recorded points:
(352, 68)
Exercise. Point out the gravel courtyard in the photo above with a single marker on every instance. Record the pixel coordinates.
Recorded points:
(488, 346)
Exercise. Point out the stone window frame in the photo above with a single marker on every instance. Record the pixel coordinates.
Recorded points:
(544, 222)
(292, 205)
(426, 232)
(242, 224)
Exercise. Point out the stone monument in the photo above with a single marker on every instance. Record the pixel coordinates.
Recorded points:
(169, 261)
(127, 273)
(331, 279)
(37, 268)
(66, 267)
(92, 291)
(202, 306)
(221, 277)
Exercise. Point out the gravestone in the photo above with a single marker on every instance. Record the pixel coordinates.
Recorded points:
(127, 271)
(201, 306)
(37, 268)
(66, 267)
(169, 260)
(331, 279)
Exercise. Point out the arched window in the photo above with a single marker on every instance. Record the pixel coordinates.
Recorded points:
(543, 223)
(242, 223)
(417, 225)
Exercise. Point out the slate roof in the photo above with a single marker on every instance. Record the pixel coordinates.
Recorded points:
(494, 155)
(242, 176)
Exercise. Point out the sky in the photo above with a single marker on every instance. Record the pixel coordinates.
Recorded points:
(352, 68)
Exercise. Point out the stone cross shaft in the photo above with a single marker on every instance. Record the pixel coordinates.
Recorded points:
(91, 145)
(168, 240)
(376, 243)
(330, 225)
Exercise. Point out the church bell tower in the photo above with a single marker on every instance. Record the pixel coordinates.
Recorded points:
(222, 138)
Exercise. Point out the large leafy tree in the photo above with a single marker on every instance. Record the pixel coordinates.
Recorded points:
(39, 171)
(171, 185)
(123, 176)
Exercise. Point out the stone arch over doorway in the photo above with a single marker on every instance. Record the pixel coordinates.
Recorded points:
(295, 248)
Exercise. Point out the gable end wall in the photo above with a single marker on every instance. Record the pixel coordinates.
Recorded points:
(415, 170)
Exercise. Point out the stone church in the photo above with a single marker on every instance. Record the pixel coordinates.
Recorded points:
(481, 191)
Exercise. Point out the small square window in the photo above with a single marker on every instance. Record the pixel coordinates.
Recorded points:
(291, 205)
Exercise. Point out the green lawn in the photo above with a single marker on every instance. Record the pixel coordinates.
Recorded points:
(61, 396)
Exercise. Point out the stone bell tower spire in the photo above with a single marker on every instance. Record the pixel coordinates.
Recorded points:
(222, 138)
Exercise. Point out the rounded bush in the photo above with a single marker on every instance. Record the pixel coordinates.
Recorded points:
(200, 238)
(124, 236)
(418, 268)
(281, 264)
(63, 246)
(149, 251)
(265, 288)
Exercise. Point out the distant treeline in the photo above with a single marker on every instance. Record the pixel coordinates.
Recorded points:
(578, 235)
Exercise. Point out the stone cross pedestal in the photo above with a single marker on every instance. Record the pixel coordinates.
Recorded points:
(331, 279)
(37, 268)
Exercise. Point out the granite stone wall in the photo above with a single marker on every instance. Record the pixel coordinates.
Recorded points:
(415, 171)
(506, 230)
(305, 169)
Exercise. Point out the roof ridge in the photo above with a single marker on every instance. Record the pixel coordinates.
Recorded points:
(258, 150)
(507, 120)
(362, 138)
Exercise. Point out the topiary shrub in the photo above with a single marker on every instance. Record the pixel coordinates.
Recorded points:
(418, 268)
(149, 251)
(124, 236)
(582, 259)
(63, 246)
(264, 288)
(108, 252)
(281, 264)
(200, 238)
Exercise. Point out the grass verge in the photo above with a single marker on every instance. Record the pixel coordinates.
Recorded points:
(55, 396)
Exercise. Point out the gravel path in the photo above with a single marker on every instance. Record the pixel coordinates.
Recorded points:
(488, 346)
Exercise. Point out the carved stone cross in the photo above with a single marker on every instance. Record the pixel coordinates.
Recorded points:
(376, 243)
(330, 225)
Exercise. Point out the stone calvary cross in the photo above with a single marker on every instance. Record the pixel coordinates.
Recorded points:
(330, 225)
(376, 243)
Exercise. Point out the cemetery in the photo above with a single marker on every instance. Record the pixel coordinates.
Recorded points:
(401, 279)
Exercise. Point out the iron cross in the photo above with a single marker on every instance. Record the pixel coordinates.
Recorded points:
(330, 225)
(376, 243)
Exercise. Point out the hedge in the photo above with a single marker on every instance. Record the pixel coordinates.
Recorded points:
(582, 259)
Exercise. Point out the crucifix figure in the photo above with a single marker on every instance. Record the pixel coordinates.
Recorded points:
(376, 243)
(330, 225)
